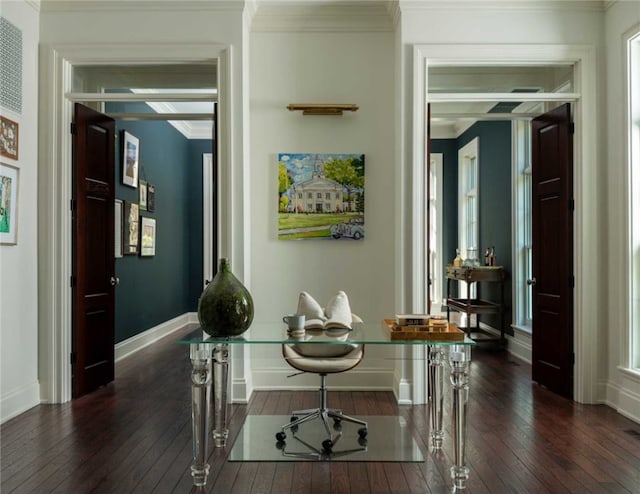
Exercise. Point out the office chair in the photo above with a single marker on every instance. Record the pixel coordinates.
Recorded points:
(323, 359)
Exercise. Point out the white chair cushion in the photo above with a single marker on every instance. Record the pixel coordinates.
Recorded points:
(326, 364)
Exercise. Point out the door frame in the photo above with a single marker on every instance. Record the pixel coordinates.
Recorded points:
(55, 187)
(587, 314)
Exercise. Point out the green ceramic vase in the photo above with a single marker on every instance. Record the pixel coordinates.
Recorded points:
(225, 307)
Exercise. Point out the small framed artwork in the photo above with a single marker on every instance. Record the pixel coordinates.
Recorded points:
(117, 228)
(142, 187)
(130, 159)
(151, 197)
(9, 138)
(130, 230)
(8, 204)
(148, 236)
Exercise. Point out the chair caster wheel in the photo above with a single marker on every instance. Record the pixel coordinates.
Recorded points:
(362, 432)
(337, 425)
(280, 437)
(362, 441)
(280, 445)
(293, 418)
(327, 445)
(337, 421)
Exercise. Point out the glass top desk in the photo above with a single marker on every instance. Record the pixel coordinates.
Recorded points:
(210, 363)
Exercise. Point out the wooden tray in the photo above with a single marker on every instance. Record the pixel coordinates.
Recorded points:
(450, 333)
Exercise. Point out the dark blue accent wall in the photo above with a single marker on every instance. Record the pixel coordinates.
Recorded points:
(495, 201)
(449, 150)
(155, 289)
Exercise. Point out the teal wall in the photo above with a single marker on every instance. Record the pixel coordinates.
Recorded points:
(494, 149)
(155, 289)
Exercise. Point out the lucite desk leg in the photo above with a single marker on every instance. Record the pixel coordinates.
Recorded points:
(459, 357)
(436, 385)
(200, 380)
(220, 382)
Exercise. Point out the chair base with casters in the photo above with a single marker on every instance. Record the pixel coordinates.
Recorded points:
(323, 365)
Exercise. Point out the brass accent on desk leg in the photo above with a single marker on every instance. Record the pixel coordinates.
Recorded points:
(200, 381)
(220, 383)
(436, 386)
(459, 358)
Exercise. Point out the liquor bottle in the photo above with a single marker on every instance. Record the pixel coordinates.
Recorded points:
(457, 262)
(492, 256)
(486, 257)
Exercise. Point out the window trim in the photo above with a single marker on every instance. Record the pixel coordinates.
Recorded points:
(631, 355)
(470, 151)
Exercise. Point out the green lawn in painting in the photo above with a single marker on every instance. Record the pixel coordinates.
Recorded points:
(287, 221)
(301, 235)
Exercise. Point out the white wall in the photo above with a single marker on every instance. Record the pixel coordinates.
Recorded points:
(622, 388)
(326, 67)
(18, 263)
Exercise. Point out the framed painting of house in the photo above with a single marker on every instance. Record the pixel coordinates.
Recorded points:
(320, 196)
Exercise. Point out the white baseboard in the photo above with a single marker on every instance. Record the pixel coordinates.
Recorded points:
(402, 390)
(135, 343)
(520, 346)
(18, 401)
(624, 400)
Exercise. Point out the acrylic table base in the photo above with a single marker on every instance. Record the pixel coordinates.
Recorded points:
(202, 356)
(209, 383)
(459, 357)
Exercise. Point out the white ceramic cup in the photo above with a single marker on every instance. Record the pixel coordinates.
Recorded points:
(295, 322)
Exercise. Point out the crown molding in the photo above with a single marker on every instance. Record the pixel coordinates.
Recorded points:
(34, 4)
(503, 5)
(55, 6)
(322, 16)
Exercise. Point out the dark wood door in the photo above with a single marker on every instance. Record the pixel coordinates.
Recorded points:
(552, 250)
(93, 250)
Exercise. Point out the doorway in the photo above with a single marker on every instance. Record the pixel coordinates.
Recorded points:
(54, 188)
(582, 62)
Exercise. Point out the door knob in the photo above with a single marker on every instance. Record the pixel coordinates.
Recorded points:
(114, 281)
(532, 281)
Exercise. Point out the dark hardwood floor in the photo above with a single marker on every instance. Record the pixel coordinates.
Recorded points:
(135, 436)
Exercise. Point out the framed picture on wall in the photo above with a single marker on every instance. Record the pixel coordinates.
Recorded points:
(147, 236)
(9, 138)
(117, 230)
(143, 195)
(130, 228)
(151, 197)
(8, 204)
(130, 159)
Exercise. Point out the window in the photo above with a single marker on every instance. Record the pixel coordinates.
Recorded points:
(522, 261)
(309, 195)
(319, 195)
(435, 232)
(468, 199)
(327, 195)
(633, 163)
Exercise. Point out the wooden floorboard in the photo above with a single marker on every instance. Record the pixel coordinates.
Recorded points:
(134, 435)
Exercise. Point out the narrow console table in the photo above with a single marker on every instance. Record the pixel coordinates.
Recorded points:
(468, 305)
(210, 368)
